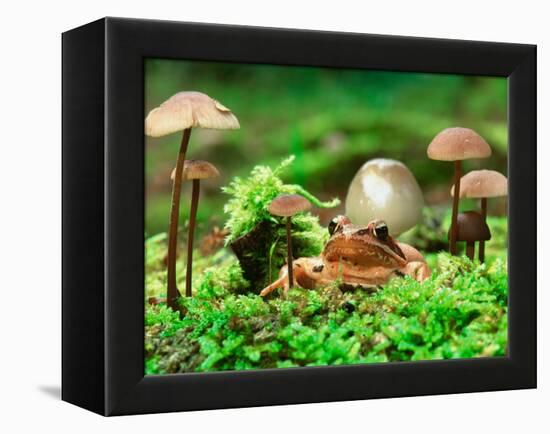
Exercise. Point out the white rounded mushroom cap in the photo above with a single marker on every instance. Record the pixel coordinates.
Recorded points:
(189, 110)
(387, 190)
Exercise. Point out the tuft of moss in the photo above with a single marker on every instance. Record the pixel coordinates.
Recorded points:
(250, 198)
(460, 311)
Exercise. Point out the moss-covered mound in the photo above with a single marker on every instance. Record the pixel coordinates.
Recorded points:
(259, 238)
(461, 311)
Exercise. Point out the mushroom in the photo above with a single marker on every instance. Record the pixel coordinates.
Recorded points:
(471, 228)
(184, 111)
(194, 170)
(481, 184)
(386, 190)
(457, 144)
(287, 205)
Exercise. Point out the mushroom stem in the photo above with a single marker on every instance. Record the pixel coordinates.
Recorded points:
(289, 251)
(482, 243)
(470, 249)
(456, 195)
(192, 223)
(172, 288)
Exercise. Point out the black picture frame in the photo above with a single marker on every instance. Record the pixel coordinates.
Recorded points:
(103, 216)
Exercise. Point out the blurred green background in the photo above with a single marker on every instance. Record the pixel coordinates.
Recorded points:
(332, 120)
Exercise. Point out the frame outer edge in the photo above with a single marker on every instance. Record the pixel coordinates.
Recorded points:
(127, 390)
(522, 226)
(82, 217)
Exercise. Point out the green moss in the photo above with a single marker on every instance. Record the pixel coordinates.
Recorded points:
(220, 273)
(461, 311)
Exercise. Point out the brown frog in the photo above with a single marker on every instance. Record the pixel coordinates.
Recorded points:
(363, 256)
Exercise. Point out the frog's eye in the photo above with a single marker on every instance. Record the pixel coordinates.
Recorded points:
(332, 225)
(381, 231)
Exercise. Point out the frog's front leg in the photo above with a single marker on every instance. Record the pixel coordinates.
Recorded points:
(418, 270)
(416, 266)
(300, 271)
(281, 282)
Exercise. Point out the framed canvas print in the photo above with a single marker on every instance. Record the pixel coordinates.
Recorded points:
(258, 216)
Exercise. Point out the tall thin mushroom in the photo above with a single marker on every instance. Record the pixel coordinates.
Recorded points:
(457, 144)
(471, 229)
(287, 205)
(194, 170)
(482, 184)
(182, 112)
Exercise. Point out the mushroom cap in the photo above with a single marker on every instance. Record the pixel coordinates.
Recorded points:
(482, 183)
(458, 143)
(385, 189)
(189, 110)
(196, 169)
(286, 205)
(472, 227)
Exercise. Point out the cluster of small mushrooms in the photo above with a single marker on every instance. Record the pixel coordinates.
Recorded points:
(457, 144)
(182, 112)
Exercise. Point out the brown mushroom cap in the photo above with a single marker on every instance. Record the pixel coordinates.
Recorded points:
(458, 143)
(196, 169)
(482, 183)
(472, 227)
(286, 205)
(189, 110)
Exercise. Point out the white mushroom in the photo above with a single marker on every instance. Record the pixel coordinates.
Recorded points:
(385, 189)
